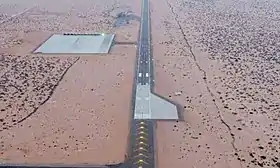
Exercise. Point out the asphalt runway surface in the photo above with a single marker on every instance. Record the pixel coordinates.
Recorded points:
(144, 54)
(141, 153)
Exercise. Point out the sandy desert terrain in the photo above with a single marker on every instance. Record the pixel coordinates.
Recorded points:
(61, 108)
(224, 58)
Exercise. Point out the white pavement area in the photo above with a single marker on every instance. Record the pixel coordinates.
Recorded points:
(150, 106)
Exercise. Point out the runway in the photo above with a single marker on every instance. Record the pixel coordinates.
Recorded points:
(147, 106)
(144, 47)
(141, 153)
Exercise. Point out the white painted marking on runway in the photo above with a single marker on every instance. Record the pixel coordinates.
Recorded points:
(140, 74)
(146, 116)
(140, 42)
(149, 41)
(138, 116)
(147, 74)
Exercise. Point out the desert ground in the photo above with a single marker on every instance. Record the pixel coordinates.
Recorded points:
(68, 109)
(223, 56)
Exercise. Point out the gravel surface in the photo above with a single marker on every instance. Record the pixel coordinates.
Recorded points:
(224, 57)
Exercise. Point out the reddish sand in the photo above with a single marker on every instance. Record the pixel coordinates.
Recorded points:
(222, 55)
(82, 121)
(226, 67)
(65, 109)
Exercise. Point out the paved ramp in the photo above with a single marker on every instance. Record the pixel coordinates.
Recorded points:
(77, 44)
(151, 106)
